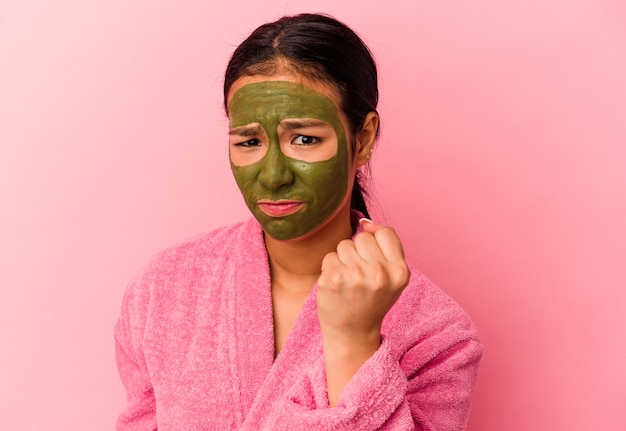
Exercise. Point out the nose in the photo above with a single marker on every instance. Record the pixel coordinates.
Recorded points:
(275, 171)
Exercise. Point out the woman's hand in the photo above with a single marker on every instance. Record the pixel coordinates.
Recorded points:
(358, 285)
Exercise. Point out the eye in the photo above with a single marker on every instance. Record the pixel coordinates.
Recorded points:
(305, 140)
(249, 143)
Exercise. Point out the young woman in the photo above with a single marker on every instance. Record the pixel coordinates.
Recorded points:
(306, 317)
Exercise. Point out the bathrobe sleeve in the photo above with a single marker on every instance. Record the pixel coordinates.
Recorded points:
(140, 410)
(380, 396)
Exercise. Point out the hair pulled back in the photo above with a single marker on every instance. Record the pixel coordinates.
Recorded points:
(317, 47)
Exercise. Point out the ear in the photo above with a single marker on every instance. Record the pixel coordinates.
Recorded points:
(366, 139)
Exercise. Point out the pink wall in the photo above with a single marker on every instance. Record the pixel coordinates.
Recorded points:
(501, 164)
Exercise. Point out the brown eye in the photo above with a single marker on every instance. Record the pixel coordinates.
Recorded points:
(249, 143)
(305, 140)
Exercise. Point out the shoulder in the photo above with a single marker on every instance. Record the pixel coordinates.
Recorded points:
(207, 245)
(183, 265)
(202, 250)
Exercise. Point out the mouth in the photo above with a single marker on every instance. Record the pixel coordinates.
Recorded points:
(279, 208)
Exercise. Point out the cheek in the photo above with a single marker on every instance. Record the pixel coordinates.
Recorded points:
(324, 179)
(245, 177)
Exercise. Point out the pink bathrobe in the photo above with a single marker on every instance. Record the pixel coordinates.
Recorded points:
(195, 350)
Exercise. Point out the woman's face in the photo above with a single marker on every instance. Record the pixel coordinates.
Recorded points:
(289, 152)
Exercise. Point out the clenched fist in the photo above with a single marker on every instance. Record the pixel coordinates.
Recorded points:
(357, 286)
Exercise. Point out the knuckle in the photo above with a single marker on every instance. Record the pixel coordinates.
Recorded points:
(344, 245)
(362, 237)
(386, 230)
(401, 274)
(355, 274)
(379, 275)
(328, 260)
(336, 279)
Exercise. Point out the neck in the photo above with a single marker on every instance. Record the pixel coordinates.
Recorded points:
(297, 263)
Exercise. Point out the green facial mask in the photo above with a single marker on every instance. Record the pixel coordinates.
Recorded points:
(320, 185)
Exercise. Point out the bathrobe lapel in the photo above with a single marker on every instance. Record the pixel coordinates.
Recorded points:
(252, 350)
(301, 353)
(258, 376)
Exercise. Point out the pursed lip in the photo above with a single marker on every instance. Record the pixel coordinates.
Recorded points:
(279, 208)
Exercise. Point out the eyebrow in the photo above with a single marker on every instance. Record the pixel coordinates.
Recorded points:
(245, 131)
(291, 124)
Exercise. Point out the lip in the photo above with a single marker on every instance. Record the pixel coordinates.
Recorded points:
(279, 208)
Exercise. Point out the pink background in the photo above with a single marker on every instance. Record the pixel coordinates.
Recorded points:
(501, 164)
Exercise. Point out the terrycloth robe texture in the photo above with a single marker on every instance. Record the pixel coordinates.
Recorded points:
(195, 351)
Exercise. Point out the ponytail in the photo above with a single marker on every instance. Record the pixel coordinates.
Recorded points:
(357, 201)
